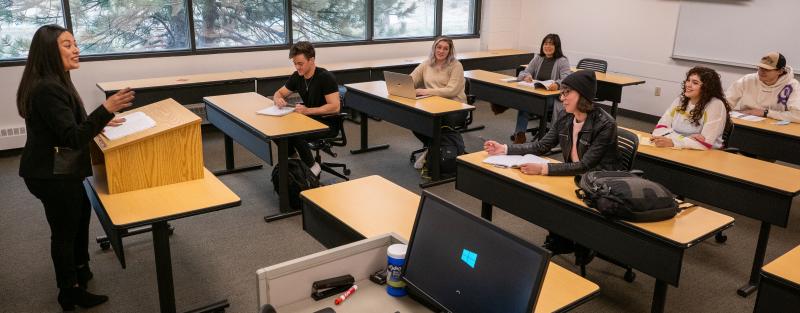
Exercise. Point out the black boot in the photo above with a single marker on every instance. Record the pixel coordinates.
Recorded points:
(84, 276)
(68, 298)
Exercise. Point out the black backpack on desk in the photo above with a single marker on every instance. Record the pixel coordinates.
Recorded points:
(300, 178)
(626, 196)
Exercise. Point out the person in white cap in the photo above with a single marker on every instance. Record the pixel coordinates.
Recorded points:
(771, 92)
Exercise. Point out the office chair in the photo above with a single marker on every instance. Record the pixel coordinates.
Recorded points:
(596, 65)
(326, 144)
(627, 148)
(720, 237)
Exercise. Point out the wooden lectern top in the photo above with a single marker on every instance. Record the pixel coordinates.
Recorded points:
(168, 115)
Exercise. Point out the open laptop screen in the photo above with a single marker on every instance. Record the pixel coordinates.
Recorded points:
(466, 264)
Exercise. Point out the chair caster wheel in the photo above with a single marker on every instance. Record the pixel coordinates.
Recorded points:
(720, 237)
(105, 246)
(630, 276)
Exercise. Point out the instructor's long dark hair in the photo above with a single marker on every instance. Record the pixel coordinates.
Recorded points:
(44, 62)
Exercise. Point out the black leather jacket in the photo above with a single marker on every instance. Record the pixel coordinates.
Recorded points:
(597, 144)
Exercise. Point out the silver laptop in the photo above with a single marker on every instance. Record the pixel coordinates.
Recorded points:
(401, 85)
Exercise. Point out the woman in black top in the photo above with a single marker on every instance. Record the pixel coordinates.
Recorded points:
(55, 159)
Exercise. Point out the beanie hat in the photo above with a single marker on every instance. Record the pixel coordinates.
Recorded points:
(584, 82)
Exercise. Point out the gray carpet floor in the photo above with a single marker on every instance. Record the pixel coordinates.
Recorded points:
(216, 255)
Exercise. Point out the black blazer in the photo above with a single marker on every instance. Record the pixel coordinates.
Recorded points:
(597, 144)
(56, 119)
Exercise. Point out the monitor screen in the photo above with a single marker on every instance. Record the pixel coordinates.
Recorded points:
(464, 263)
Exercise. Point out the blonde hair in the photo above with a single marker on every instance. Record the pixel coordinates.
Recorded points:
(450, 57)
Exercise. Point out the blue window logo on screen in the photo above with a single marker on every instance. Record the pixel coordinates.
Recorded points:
(469, 257)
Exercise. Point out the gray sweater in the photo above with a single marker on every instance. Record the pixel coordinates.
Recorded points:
(560, 70)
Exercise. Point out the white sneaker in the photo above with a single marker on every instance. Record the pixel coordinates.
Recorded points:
(420, 162)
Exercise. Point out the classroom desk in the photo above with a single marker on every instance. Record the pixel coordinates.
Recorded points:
(235, 115)
(767, 140)
(750, 187)
(488, 86)
(186, 89)
(609, 87)
(156, 206)
(550, 202)
(779, 288)
(367, 207)
(423, 116)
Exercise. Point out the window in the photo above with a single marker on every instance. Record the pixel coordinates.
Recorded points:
(404, 18)
(19, 20)
(117, 26)
(458, 17)
(329, 20)
(237, 23)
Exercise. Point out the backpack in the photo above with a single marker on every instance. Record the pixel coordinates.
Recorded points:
(451, 146)
(626, 196)
(300, 178)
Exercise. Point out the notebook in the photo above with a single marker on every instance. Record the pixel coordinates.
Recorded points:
(513, 161)
(537, 83)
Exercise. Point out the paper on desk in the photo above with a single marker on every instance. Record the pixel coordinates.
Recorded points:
(276, 111)
(645, 140)
(134, 123)
(783, 122)
(537, 83)
(510, 79)
(513, 161)
(746, 117)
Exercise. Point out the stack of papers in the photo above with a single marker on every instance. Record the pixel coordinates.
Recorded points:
(513, 161)
(746, 117)
(276, 111)
(134, 123)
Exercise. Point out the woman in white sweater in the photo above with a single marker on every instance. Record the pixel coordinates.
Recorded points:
(698, 118)
(771, 92)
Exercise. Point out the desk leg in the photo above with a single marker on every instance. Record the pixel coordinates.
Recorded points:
(486, 211)
(614, 106)
(549, 103)
(166, 289)
(758, 261)
(434, 168)
(365, 137)
(283, 183)
(229, 161)
(659, 297)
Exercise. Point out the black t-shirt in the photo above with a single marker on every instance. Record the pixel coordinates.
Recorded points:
(313, 90)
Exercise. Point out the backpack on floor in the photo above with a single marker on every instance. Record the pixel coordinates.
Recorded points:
(626, 196)
(451, 146)
(300, 178)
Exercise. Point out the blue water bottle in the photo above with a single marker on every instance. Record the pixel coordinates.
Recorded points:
(396, 257)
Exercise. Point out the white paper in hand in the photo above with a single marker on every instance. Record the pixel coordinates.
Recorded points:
(276, 111)
(513, 161)
(134, 123)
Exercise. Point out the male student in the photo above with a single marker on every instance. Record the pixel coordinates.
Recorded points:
(320, 93)
(771, 92)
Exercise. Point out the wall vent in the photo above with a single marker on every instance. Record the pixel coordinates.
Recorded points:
(13, 131)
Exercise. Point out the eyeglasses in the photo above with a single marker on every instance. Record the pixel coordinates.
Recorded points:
(565, 92)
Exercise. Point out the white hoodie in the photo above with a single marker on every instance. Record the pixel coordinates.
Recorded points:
(782, 98)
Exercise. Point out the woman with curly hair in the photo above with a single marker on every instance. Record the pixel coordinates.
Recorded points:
(698, 118)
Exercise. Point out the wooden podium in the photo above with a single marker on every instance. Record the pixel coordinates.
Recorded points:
(171, 152)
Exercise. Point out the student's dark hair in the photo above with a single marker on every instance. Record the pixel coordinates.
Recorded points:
(585, 105)
(556, 42)
(711, 88)
(44, 63)
(302, 47)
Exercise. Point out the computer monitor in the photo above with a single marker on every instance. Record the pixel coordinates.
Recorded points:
(463, 263)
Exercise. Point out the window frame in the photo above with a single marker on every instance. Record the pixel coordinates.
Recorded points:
(194, 50)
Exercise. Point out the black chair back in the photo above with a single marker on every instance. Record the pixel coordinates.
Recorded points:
(627, 146)
(596, 65)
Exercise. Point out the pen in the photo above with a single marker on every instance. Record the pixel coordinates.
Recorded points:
(346, 294)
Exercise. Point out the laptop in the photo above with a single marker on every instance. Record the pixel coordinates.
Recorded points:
(462, 263)
(401, 85)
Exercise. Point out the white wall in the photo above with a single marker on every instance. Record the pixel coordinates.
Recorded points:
(91, 73)
(634, 36)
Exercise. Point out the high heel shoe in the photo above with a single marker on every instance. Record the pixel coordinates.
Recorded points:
(68, 298)
(84, 276)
